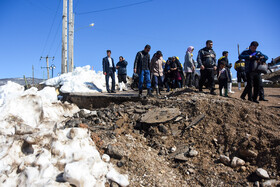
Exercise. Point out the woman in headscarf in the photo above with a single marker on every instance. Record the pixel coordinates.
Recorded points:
(189, 66)
(157, 71)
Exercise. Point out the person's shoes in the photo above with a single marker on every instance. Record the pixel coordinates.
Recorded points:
(249, 99)
(200, 90)
(243, 98)
(140, 93)
(256, 101)
(213, 93)
(113, 91)
(109, 91)
(263, 99)
(149, 94)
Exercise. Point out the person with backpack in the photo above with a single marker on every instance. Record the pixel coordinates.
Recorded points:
(239, 66)
(157, 71)
(122, 72)
(142, 66)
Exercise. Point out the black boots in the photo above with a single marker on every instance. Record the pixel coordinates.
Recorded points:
(140, 93)
(149, 94)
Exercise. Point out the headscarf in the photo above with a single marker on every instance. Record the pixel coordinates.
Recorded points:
(190, 48)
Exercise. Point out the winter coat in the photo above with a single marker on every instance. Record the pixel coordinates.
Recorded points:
(142, 61)
(156, 66)
(122, 67)
(189, 63)
(206, 57)
(239, 66)
(105, 64)
(249, 62)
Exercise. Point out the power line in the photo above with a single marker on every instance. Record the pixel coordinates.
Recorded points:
(53, 41)
(113, 8)
(51, 28)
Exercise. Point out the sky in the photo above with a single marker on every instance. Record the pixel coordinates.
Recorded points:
(32, 28)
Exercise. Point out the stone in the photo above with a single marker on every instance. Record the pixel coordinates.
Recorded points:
(106, 158)
(160, 115)
(120, 164)
(192, 153)
(248, 153)
(162, 129)
(271, 182)
(82, 125)
(84, 113)
(114, 152)
(191, 171)
(243, 168)
(21, 129)
(225, 159)
(262, 173)
(114, 184)
(236, 162)
(257, 184)
(139, 111)
(178, 119)
(73, 123)
(181, 157)
(173, 149)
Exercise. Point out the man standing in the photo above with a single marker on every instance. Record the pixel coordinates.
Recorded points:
(109, 71)
(206, 60)
(228, 66)
(142, 68)
(241, 74)
(253, 77)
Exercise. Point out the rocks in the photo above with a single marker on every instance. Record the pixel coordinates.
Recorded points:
(181, 157)
(225, 160)
(248, 153)
(114, 152)
(236, 162)
(192, 153)
(262, 173)
(160, 115)
(162, 129)
(120, 164)
(106, 158)
(73, 123)
(271, 182)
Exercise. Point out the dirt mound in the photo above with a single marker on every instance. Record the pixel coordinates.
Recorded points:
(186, 150)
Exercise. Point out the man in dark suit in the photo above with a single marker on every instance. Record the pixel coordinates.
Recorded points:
(109, 70)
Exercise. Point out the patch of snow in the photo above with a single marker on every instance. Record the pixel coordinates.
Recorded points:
(34, 151)
(81, 80)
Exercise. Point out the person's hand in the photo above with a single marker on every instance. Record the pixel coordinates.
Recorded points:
(134, 70)
(202, 67)
(105, 73)
(117, 67)
(212, 55)
(215, 68)
(250, 56)
(261, 57)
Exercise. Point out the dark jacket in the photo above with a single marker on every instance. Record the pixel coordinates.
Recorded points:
(225, 59)
(122, 67)
(206, 57)
(249, 62)
(223, 75)
(105, 64)
(167, 72)
(142, 61)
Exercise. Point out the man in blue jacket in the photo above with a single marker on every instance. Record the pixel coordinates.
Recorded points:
(109, 71)
(253, 77)
(142, 65)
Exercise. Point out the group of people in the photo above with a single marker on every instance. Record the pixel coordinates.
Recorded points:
(158, 73)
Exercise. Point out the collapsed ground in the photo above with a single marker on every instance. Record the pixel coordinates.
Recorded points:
(185, 149)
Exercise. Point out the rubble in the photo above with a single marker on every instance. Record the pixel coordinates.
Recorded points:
(262, 173)
(160, 115)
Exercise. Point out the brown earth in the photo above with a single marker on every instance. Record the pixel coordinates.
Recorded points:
(231, 127)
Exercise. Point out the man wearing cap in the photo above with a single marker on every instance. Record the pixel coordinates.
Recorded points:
(206, 60)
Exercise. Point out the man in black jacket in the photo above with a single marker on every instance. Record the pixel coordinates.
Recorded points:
(142, 65)
(109, 71)
(206, 60)
(121, 66)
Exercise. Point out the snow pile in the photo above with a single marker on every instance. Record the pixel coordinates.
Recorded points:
(35, 149)
(82, 79)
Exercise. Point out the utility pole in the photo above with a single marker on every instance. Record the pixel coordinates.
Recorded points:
(71, 37)
(64, 39)
(32, 74)
(48, 68)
